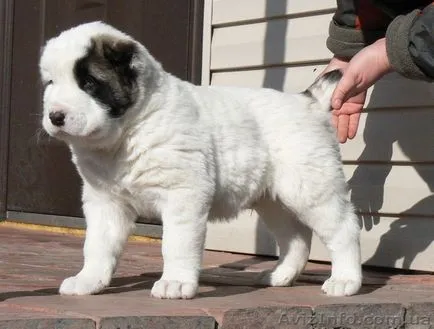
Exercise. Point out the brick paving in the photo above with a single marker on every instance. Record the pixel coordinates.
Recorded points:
(33, 263)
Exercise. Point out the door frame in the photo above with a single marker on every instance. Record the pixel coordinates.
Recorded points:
(6, 24)
(196, 40)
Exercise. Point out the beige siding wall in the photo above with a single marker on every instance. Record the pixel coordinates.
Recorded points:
(390, 164)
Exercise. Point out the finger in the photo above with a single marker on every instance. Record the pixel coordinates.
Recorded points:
(342, 91)
(344, 120)
(335, 121)
(350, 108)
(353, 125)
(335, 113)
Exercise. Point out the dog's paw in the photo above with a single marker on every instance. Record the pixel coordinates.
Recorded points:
(279, 277)
(341, 287)
(174, 289)
(80, 285)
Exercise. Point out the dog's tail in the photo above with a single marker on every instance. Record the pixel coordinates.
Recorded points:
(322, 89)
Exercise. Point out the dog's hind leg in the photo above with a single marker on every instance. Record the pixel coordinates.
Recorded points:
(293, 239)
(331, 216)
(338, 227)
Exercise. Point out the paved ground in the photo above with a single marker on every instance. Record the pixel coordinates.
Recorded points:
(33, 264)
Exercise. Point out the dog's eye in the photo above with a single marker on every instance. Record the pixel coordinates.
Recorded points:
(89, 83)
(49, 82)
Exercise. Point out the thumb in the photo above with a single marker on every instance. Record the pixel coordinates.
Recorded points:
(342, 91)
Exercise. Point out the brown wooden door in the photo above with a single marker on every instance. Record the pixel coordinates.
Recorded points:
(40, 176)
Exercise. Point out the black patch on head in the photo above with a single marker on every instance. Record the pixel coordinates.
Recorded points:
(308, 93)
(105, 74)
(333, 76)
(330, 77)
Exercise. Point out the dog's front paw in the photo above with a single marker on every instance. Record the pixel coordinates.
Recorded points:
(81, 285)
(341, 287)
(174, 289)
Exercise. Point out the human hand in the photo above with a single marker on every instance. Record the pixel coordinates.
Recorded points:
(361, 72)
(346, 118)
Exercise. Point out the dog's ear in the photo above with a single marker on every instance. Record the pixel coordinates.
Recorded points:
(119, 52)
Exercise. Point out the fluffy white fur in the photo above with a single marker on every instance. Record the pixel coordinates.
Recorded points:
(190, 154)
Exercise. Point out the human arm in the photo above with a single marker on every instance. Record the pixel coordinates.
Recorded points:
(410, 44)
(408, 48)
(351, 30)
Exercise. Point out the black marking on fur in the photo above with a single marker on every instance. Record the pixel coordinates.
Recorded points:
(330, 77)
(105, 74)
(308, 93)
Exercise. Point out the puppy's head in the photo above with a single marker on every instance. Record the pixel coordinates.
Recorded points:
(92, 77)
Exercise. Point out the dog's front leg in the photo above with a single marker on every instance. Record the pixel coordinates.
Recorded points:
(184, 230)
(108, 226)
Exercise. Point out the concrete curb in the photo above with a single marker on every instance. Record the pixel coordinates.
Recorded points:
(159, 322)
(348, 316)
(61, 323)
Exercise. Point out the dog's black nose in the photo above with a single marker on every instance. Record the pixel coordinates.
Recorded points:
(57, 118)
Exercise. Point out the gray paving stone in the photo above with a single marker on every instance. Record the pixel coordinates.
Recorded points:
(359, 316)
(268, 318)
(48, 324)
(159, 322)
(419, 316)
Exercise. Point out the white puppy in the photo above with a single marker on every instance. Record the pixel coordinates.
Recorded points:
(148, 144)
